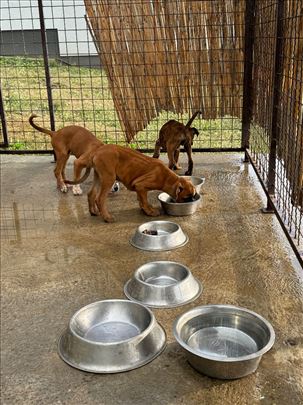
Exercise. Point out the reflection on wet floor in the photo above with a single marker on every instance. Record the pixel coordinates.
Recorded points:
(21, 222)
(24, 221)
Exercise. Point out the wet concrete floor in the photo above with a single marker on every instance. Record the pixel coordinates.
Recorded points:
(56, 259)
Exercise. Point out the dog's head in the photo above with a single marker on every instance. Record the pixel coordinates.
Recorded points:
(184, 190)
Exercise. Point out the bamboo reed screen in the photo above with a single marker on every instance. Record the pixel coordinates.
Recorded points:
(172, 55)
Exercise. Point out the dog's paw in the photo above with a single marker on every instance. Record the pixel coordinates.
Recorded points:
(77, 190)
(63, 188)
(188, 173)
(153, 212)
(109, 219)
(94, 212)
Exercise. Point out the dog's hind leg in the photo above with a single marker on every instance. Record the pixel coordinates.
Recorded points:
(106, 185)
(59, 169)
(91, 196)
(188, 150)
(157, 149)
(171, 157)
(176, 157)
(63, 169)
(79, 165)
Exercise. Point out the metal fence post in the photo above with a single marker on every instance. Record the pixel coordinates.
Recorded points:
(3, 144)
(46, 66)
(248, 67)
(277, 82)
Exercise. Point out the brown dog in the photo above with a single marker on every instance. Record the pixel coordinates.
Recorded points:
(172, 135)
(70, 140)
(137, 172)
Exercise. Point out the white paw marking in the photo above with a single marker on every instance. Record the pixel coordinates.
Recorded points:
(77, 190)
(115, 187)
(63, 188)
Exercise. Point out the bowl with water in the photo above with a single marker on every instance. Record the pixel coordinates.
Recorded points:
(224, 341)
(111, 336)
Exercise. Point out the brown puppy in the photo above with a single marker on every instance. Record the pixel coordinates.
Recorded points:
(74, 140)
(138, 172)
(172, 135)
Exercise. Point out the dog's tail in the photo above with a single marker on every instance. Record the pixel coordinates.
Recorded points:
(192, 118)
(83, 178)
(40, 129)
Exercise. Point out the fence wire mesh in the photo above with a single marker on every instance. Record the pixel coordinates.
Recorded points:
(124, 68)
(276, 140)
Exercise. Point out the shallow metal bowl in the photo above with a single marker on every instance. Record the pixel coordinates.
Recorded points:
(111, 336)
(196, 181)
(179, 209)
(163, 284)
(169, 236)
(223, 341)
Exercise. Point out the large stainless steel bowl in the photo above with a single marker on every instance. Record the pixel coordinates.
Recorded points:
(169, 236)
(179, 209)
(223, 341)
(196, 181)
(162, 284)
(111, 336)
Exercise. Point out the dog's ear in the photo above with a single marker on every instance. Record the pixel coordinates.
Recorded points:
(177, 189)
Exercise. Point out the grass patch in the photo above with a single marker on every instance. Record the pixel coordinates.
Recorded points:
(82, 96)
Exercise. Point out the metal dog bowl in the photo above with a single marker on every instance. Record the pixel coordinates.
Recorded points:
(223, 341)
(162, 284)
(111, 336)
(196, 181)
(179, 209)
(169, 236)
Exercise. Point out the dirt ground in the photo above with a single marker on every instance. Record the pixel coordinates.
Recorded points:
(56, 259)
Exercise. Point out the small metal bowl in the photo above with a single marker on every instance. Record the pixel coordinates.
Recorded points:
(196, 181)
(162, 284)
(111, 336)
(169, 236)
(223, 341)
(179, 209)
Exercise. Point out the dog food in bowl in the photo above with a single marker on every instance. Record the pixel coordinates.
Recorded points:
(187, 207)
(150, 232)
(187, 200)
(169, 236)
